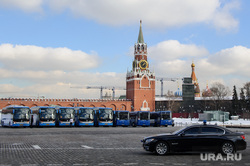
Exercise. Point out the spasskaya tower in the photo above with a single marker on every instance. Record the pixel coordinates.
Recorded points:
(140, 87)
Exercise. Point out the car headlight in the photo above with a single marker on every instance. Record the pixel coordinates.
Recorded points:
(149, 140)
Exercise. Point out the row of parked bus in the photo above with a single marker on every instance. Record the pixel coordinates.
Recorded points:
(39, 116)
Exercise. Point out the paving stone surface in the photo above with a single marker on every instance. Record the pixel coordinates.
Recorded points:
(101, 146)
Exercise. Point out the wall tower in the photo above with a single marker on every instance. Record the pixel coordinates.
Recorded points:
(140, 81)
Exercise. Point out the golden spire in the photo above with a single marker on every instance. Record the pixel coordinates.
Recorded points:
(193, 76)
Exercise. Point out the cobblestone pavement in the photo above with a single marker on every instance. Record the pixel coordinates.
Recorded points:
(103, 146)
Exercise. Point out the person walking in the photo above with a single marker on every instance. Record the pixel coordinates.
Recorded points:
(71, 122)
(31, 121)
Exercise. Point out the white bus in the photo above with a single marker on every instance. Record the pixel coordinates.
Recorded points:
(15, 116)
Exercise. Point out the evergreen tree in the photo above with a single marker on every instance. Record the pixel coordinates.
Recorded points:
(235, 101)
(242, 95)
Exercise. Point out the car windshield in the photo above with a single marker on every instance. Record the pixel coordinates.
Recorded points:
(86, 114)
(48, 114)
(21, 114)
(123, 115)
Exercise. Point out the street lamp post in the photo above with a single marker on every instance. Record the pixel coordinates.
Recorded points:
(191, 110)
(207, 107)
(244, 112)
(223, 109)
(181, 108)
(247, 112)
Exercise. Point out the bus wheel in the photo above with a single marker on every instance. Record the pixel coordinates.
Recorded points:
(166, 125)
(133, 125)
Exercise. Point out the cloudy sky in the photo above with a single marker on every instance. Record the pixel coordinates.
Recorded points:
(55, 48)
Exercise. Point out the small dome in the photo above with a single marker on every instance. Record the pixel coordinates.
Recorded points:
(178, 92)
(193, 65)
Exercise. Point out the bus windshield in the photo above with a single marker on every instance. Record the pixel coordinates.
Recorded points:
(105, 114)
(48, 114)
(123, 115)
(144, 115)
(166, 115)
(86, 114)
(66, 113)
(21, 114)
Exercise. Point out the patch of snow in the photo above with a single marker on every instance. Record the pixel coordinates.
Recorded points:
(233, 123)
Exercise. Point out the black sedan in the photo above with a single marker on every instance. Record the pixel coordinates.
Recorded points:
(196, 138)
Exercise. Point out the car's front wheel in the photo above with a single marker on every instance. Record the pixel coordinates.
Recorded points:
(227, 148)
(161, 148)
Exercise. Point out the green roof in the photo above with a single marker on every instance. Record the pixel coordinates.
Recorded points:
(140, 37)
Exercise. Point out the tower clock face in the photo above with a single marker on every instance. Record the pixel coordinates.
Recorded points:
(143, 64)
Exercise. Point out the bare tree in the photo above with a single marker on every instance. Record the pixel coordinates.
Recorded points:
(172, 104)
(247, 89)
(247, 94)
(219, 92)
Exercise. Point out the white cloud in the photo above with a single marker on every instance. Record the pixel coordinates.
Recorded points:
(223, 18)
(57, 83)
(173, 49)
(233, 60)
(26, 6)
(229, 66)
(27, 57)
(156, 14)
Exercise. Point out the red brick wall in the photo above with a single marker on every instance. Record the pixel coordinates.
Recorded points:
(115, 104)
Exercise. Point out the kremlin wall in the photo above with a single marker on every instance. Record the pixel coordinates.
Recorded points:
(140, 89)
(114, 104)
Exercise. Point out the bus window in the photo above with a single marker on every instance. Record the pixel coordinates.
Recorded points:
(144, 115)
(47, 114)
(105, 114)
(166, 116)
(86, 114)
(123, 115)
(21, 114)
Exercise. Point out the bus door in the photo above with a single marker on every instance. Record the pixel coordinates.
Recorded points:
(144, 118)
(122, 118)
(154, 119)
